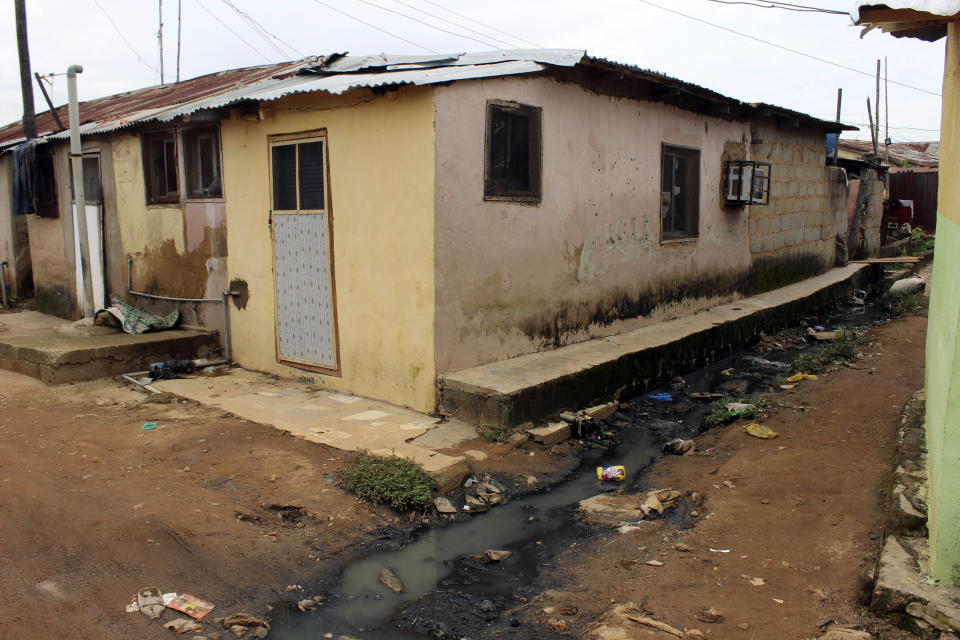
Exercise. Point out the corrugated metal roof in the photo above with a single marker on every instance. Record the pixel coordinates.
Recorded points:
(917, 154)
(936, 7)
(338, 73)
(931, 27)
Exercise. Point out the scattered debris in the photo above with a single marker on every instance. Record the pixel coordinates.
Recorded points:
(553, 433)
(602, 411)
(532, 480)
(659, 501)
(190, 605)
(148, 426)
(656, 624)
(654, 563)
(616, 472)
(680, 546)
(842, 633)
(704, 395)
(392, 581)
(494, 555)
(150, 602)
(661, 397)
(759, 431)
(757, 582)
(720, 550)
(821, 336)
(797, 377)
(763, 362)
(679, 446)
(908, 285)
(182, 625)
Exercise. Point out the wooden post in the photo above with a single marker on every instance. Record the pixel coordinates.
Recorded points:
(179, 22)
(876, 117)
(873, 132)
(836, 147)
(26, 83)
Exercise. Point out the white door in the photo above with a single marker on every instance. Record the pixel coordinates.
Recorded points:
(93, 209)
(303, 261)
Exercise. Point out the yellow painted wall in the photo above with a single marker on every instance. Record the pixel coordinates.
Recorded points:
(381, 156)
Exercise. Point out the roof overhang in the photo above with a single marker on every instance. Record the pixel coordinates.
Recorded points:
(921, 19)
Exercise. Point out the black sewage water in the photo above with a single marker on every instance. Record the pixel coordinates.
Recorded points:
(449, 595)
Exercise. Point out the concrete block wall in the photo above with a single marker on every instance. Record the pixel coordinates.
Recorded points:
(808, 200)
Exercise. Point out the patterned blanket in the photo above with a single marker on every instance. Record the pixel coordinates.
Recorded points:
(133, 320)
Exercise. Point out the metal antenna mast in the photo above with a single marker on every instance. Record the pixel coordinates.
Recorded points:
(160, 36)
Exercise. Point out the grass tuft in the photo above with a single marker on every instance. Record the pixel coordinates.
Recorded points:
(398, 482)
(719, 414)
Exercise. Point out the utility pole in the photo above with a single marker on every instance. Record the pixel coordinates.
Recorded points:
(79, 197)
(179, 21)
(886, 111)
(836, 147)
(876, 117)
(26, 83)
(160, 36)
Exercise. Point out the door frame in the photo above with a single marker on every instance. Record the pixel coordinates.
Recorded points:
(273, 140)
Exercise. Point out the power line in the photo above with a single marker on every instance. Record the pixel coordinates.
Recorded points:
(122, 37)
(482, 24)
(239, 37)
(373, 26)
(457, 24)
(263, 33)
(778, 46)
(425, 23)
(772, 4)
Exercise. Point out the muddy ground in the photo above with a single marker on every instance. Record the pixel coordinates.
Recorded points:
(802, 512)
(93, 508)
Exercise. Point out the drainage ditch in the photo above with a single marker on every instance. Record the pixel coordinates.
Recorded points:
(451, 595)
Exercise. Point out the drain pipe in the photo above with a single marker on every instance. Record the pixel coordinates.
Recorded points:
(3, 283)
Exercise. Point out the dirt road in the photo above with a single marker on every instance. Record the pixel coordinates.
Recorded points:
(786, 523)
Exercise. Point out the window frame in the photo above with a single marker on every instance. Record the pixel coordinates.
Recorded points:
(533, 195)
(693, 224)
(44, 208)
(184, 160)
(146, 155)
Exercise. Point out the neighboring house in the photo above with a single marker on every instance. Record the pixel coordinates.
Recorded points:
(387, 219)
(931, 20)
(899, 156)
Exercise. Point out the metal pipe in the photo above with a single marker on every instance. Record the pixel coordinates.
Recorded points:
(146, 385)
(3, 283)
(76, 162)
(227, 347)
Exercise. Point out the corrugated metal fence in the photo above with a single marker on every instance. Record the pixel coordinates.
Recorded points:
(921, 187)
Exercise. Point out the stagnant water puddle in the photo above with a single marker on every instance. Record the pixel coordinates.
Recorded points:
(449, 595)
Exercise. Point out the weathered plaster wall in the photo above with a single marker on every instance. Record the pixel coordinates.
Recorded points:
(382, 195)
(587, 260)
(943, 346)
(178, 250)
(51, 247)
(794, 237)
(14, 243)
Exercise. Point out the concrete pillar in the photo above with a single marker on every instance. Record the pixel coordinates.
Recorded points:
(943, 345)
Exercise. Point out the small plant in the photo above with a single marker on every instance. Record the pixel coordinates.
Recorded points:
(720, 414)
(904, 303)
(842, 349)
(398, 482)
(500, 432)
(921, 241)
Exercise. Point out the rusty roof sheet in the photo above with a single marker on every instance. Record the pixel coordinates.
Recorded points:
(917, 154)
(338, 73)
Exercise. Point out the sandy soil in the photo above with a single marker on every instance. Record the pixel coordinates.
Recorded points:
(802, 512)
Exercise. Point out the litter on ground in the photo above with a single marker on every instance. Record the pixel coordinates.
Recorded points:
(759, 431)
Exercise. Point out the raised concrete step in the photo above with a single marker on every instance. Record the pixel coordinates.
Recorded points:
(532, 386)
(58, 351)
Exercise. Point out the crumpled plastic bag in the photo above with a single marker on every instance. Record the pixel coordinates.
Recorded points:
(759, 431)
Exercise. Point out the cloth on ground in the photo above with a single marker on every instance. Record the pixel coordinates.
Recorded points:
(133, 320)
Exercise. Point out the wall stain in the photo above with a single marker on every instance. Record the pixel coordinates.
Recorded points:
(773, 272)
(612, 245)
(55, 300)
(240, 287)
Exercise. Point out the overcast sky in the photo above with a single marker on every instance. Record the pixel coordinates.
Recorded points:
(215, 36)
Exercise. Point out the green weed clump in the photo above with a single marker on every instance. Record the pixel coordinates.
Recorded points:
(501, 432)
(842, 349)
(720, 414)
(904, 303)
(398, 482)
(921, 241)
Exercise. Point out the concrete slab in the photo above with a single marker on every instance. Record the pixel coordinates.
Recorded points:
(57, 351)
(342, 421)
(902, 578)
(532, 386)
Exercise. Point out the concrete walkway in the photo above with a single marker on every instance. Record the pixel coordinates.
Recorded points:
(338, 420)
(535, 385)
(57, 350)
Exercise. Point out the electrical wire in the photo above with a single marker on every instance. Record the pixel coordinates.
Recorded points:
(122, 37)
(482, 24)
(461, 26)
(373, 26)
(267, 36)
(239, 37)
(779, 46)
(771, 4)
(425, 23)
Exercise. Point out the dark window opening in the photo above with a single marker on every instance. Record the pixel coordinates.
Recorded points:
(201, 163)
(160, 167)
(299, 178)
(91, 180)
(46, 189)
(513, 168)
(680, 193)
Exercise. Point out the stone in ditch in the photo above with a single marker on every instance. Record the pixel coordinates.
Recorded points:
(238, 630)
(552, 433)
(497, 556)
(476, 504)
(443, 505)
(391, 580)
